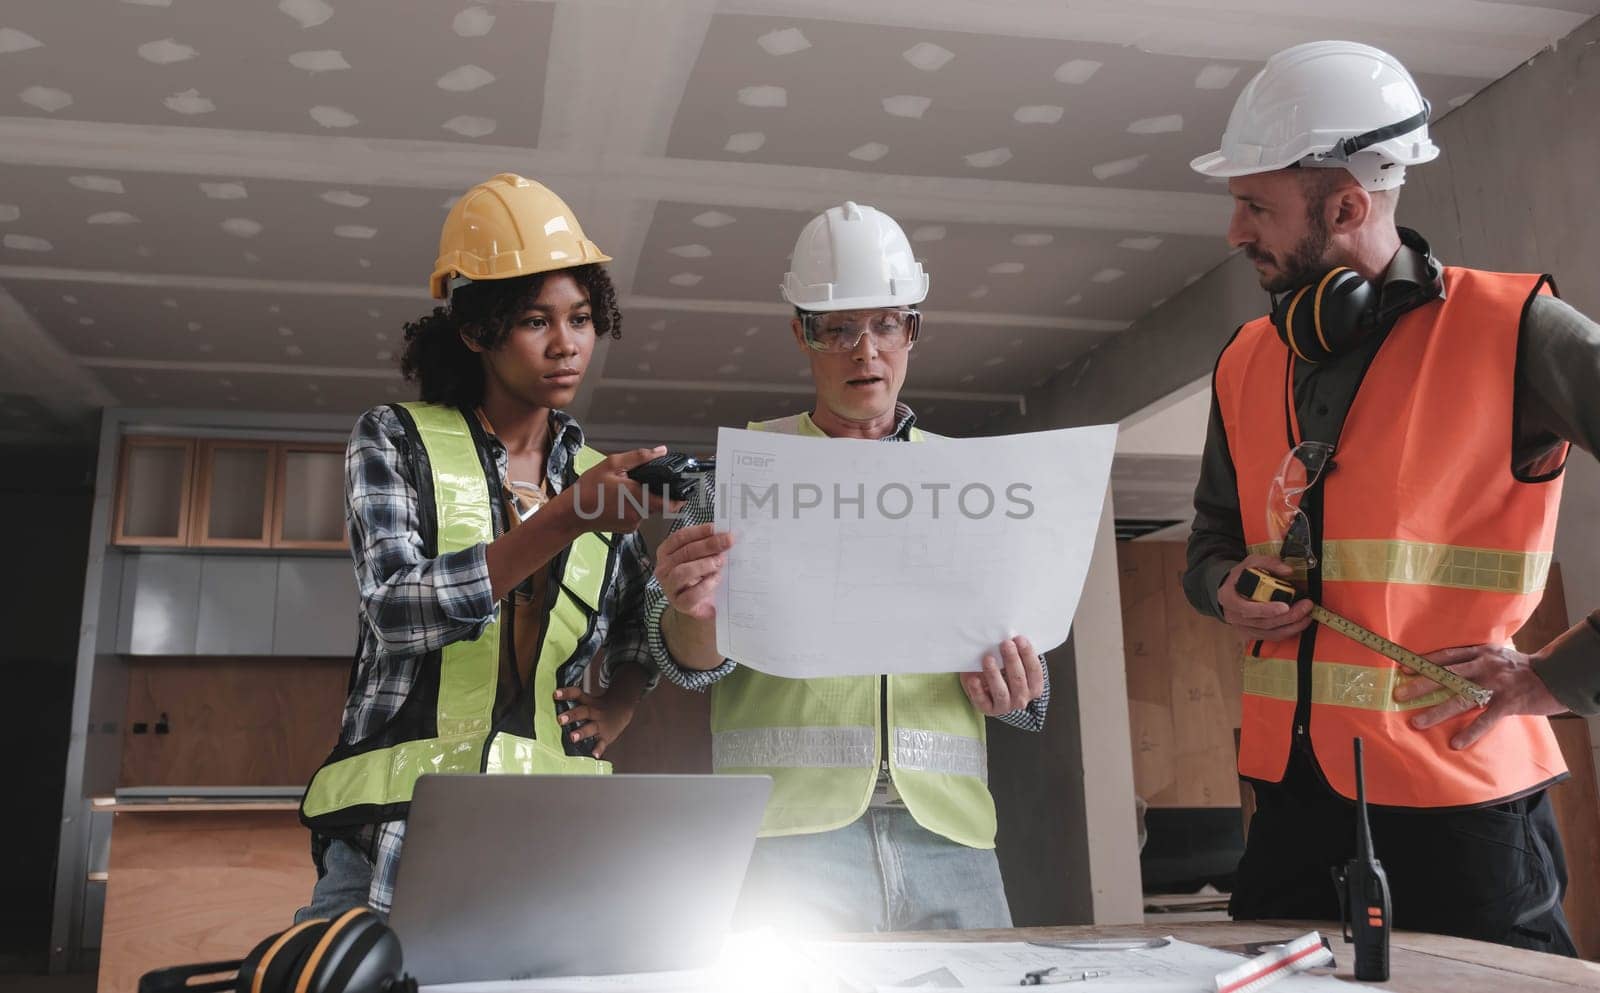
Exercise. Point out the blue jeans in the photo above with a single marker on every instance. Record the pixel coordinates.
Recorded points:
(885, 872)
(346, 878)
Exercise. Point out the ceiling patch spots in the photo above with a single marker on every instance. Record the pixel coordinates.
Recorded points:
(474, 22)
(205, 348)
(691, 251)
(468, 126)
(286, 332)
(319, 60)
(764, 96)
(872, 151)
(364, 263)
(784, 41)
(166, 51)
(1121, 167)
(927, 56)
(1074, 300)
(374, 312)
(1459, 99)
(928, 232)
(189, 103)
(27, 243)
(1032, 239)
(1147, 243)
(355, 231)
(1165, 124)
(1107, 276)
(907, 106)
(988, 159)
(1191, 279)
(685, 279)
(97, 184)
(9, 212)
(344, 198)
(751, 332)
(978, 292)
(1038, 114)
(994, 361)
(169, 303)
(333, 117)
(113, 217)
(193, 325)
(712, 219)
(293, 351)
(224, 191)
(728, 368)
(46, 98)
(1215, 77)
(465, 79)
(1006, 268)
(309, 13)
(241, 227)
(12, 40)
(745, 142)
(660, 325)
(1077, 71)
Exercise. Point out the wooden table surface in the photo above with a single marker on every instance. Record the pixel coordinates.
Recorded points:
(1419, 963)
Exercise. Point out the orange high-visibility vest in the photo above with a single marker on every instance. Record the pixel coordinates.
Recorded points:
(1427, 538)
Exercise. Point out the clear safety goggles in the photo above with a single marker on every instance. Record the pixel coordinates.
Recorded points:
(842, 330)
(1287, 525)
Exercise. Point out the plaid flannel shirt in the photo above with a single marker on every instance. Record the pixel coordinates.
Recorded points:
(412, 605)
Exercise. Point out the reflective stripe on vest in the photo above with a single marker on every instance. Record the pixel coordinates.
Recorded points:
(1426, 538)
(847, 747)
(1416, 563)
(819, 739)
(382, 779)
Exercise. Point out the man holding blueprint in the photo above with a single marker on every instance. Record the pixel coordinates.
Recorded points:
(881, 817)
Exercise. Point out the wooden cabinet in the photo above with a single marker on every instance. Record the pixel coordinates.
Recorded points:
(154, 479)
(310, 497)
(234, 494)
(229, 493)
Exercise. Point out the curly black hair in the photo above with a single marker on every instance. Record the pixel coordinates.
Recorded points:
(447, 371)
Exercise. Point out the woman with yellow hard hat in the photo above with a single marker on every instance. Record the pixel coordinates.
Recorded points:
(495, 552)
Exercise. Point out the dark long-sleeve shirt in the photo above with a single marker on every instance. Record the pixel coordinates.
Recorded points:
(1557, 400)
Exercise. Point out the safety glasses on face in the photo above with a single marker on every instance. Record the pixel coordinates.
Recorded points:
(1287, 524)
(842, 330)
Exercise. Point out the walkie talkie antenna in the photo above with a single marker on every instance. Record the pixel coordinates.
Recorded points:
(1363, 829)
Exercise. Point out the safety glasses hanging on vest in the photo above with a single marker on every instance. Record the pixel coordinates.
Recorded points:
(1287, 525)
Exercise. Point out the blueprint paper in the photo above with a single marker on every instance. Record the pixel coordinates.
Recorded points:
(990, 967)
(856, 557)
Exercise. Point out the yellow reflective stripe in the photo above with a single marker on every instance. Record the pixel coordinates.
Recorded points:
(465, 518)
(386, 776)
(511, 754)
(1417, 563)
(1333, 684)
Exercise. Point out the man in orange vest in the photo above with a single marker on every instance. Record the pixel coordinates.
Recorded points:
(1391, 439)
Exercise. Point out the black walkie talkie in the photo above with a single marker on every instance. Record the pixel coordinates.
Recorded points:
(1364, 894)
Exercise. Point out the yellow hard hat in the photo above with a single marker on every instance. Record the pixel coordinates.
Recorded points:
(509, 226)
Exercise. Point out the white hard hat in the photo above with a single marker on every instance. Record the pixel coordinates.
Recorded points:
(1326, 104)
(853, 257)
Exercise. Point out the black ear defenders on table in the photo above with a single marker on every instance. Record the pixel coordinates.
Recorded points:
(355, 952)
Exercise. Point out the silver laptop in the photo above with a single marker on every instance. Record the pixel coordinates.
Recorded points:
(516, 877)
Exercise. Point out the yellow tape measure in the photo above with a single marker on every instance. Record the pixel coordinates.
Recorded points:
(1263, 587)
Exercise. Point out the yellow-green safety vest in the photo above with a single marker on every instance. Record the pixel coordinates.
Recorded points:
(447, 722)
(822, 740)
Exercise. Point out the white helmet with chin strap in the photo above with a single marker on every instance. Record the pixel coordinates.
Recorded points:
(853, 257)
(1327, 104)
